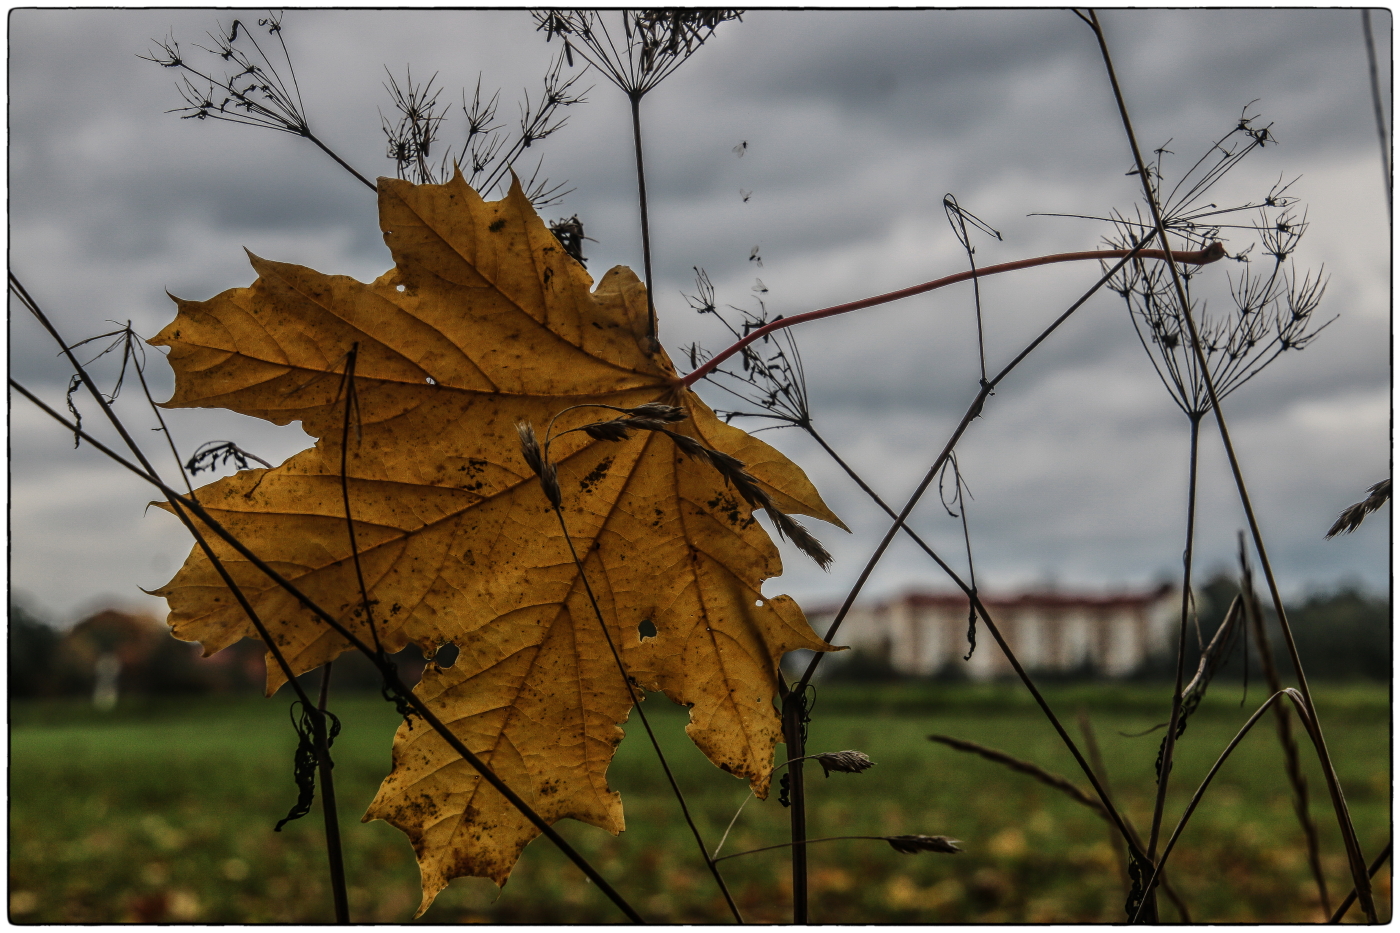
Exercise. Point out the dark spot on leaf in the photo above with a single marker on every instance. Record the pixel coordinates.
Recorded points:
(497, 226)
(595, 475)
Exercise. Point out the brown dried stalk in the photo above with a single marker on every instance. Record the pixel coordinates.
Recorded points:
(1068, 787)
(1292, 765)
(1048, 778)
(1355, 859)
(909, 845)
(1297, 699)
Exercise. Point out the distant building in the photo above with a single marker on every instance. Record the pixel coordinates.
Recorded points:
(115, 654)
(920, 634)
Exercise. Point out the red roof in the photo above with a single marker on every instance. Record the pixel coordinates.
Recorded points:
(957, 600)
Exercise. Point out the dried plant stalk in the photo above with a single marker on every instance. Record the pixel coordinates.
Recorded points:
(1292, 765)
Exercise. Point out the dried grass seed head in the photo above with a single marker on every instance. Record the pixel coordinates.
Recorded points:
(911, 845)
(549, 481)
(1352, 516)
(846, 762)
(530, 446)
(614, 430)
(798, 534)
(546, 471)
(658, 411)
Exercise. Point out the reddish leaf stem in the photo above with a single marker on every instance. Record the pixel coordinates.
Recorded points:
(1200, 257)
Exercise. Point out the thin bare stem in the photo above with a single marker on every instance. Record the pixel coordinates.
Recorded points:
(352, 408)
(973, 411)
(341, 162)
(1048, 778)
(796, 705)
(793, 712)
(636, 101)
(1091, 748)
(1351, 898)
(805, 842)
(1379, 107)
(875, 497)
(1169, 743)
(958, 218)
(1292, 765)
(728, 829)
(1199, 257)
(1297, 700)
(328, 808)
(400, 692)
(1355, 858)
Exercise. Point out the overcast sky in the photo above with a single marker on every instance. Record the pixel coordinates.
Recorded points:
(857, 124)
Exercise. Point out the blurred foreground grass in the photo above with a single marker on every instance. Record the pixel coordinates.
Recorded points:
(163, 811)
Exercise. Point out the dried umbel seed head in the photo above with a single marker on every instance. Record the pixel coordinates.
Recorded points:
(912, 845)
(847, 762)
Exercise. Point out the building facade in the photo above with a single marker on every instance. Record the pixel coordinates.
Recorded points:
(921, 634)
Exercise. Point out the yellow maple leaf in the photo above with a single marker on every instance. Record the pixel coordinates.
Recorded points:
(484, 323)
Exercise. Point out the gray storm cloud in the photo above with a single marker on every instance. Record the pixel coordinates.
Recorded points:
(857, 124)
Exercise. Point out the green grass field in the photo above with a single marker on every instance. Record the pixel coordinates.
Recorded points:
(164, 811)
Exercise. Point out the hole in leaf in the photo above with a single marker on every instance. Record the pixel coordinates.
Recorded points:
(400, 288)
(432, 381)
(446, 655)
(645, 629)
(758, 602)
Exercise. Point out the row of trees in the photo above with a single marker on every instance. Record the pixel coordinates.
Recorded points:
(115, 653)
